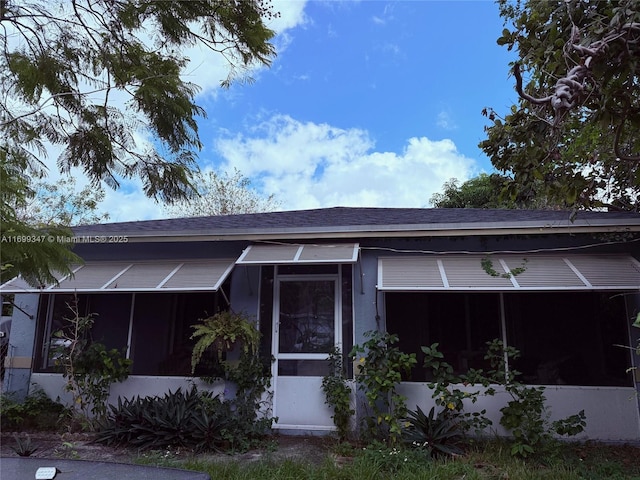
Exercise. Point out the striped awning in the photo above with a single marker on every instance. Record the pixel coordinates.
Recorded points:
(508, 272)
(297, 253)
(156, 276)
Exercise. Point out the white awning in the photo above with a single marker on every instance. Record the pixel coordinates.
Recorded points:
(540, 272)
(308, 254)
(156, 276)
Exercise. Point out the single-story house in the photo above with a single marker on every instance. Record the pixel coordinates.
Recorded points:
(315, 279)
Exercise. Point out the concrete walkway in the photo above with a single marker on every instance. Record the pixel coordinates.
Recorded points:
(23, 468)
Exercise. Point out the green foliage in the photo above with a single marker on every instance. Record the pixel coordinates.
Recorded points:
(77, 78)
(224, 331)
(76, 58)
(483, 191)
(435, 434)
(449, 395)
(58, 204)
(35, 412)
(390, 462)
(484, 460)
(25, 249)
(194, 420)
(526, 414)
(487, 265)
(572, 138)
(338, 394)
(381, 365)
(249, 422)
(88, 367)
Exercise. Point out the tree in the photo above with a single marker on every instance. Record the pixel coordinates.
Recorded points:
(24, 249)
(487, 191)
(482, 191)
(59, 204)
(574, 134)
(222, 194)
(85, 76)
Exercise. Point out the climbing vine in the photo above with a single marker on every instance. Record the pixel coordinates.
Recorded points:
(487, 266)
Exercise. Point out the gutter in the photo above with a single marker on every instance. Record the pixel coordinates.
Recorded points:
(366, 231)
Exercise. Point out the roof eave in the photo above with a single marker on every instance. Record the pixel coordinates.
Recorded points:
(386, 231)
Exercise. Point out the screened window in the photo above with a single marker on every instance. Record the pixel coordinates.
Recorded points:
(153, 329)
(565, 338)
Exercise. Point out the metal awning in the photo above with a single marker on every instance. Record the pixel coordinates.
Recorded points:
(156, 276)
(297, 253)
(541, 272)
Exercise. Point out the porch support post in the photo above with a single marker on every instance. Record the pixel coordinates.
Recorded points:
(632, 302)
(20, 356)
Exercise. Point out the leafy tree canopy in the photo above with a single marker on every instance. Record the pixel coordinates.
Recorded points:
(59, 204)
(222, 194)
(84, 76)
(486, 191)
(574, 135)
(63, 64)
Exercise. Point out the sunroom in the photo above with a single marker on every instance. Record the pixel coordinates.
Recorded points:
(568, 315)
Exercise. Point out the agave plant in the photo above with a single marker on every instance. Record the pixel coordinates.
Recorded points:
(24, 447)
(437, 434)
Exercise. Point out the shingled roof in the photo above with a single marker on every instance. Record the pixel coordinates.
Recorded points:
(345, 220)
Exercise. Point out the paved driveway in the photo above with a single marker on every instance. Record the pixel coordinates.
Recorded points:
(12, 468)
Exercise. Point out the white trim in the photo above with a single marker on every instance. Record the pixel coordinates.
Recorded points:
(284, 254)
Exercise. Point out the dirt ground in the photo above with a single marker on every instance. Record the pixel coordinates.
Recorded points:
(78, 446)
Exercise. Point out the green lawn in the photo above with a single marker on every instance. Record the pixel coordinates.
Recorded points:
(484, 461)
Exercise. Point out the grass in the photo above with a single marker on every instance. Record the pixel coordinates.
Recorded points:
(483, 461)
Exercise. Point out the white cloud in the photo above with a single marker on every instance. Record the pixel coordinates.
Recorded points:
(309, 165)
(207, 69)
(446, 121)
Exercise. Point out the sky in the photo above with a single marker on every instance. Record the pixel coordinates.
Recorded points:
(367, 103)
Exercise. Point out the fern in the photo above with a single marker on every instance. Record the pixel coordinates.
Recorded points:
(223, 331)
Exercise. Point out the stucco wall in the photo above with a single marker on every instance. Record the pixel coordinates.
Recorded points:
(612, 412)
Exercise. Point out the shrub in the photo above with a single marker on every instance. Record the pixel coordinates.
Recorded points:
(191, 419)
(338, 394)
(381, 366)
(36, 412)
(88, 368)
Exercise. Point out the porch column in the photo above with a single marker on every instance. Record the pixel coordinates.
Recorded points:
(633, 309)
(19, 360)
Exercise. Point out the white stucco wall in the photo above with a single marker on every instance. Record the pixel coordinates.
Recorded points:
(53, 385)
(612, 412)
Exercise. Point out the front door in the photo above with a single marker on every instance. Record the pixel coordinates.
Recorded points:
(305, 330)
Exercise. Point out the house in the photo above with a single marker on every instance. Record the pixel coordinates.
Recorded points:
(563, 290)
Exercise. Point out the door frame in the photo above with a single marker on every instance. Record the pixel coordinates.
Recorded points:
(337, 326)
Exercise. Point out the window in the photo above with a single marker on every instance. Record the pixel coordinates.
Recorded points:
(569, 338)
(460, 323)
(161, 336)
(565, 338)
(152, 329)
(7, 304)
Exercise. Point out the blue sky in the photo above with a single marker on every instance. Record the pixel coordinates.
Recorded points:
(368, 103)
